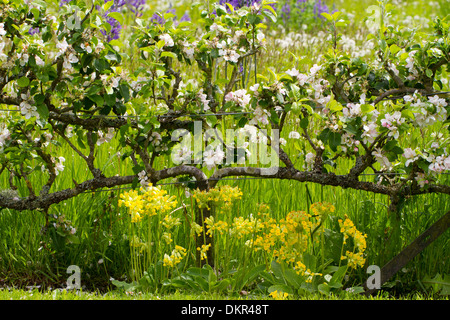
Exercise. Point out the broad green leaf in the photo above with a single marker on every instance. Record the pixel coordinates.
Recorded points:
(168, 54)
(366, 108)
(23, 82)
(117, 16)
(327, 16)
(108, 5)
(394, 49)
(42, 110)
(304, 123)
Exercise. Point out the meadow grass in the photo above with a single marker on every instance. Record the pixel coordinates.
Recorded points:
(102, 248)
(36, 294)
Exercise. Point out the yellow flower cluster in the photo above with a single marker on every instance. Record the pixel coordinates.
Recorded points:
(242, 227)
(355, 258)
(288, 238)
(279, 295)
(137, 243)
(219, 226)
(170, 222)
(203, 250)
(148, 202)
(322, 209)
(177, 255)
(300, 268)
(224, 195)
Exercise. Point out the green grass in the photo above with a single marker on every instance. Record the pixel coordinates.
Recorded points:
(35, 294)
(30, 256)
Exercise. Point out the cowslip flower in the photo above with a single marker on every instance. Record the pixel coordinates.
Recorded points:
(203, 250)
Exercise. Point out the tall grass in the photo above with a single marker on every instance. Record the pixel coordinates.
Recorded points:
(101, 247)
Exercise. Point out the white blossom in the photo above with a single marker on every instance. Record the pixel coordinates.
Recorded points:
(294, 135)
(167, 39)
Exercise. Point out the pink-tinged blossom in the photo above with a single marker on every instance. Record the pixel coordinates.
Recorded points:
(438, 102)
(213, 157)
(410, 156)
(381, 158)
(205, 102)
(167, 40)
(439, 164)
(421, 179)
(182, 155)
(392, 122)
(314, 69)
(294, 135)
(261, 116)
(241, 97)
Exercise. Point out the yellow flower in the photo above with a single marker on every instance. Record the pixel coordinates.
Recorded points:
(279, 295)
(151, 201)
(198, 229)
(355, 259)
(175, 258)
(167, 237)
(242, 227)
(169, 222)
(203, 250)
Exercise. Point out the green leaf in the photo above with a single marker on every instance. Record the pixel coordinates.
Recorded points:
(338, 276)
(304, 123)
(394, 49)
(117, 16)
(97, 99)
(124, 91)
(42, 110)
(39, 98)
(23, 82)
(293, 278)
(168, 54)
(341, 23)
(366, 108)
(324, 288)
(334, 106)
(108, 5)
(277, 270)
(336, 15)
(250, 276)
(327, 16)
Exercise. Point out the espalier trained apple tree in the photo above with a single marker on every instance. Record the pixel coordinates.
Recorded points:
(68, 84)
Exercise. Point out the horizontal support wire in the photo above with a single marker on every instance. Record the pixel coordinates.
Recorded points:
(223, 113)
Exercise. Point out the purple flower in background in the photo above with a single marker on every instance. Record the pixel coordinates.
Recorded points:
(134, 5)
(157, 19)
(286, 11)
(239, 3)
(63, 2)
(185, 17)
(33, 31)
(318, 8)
